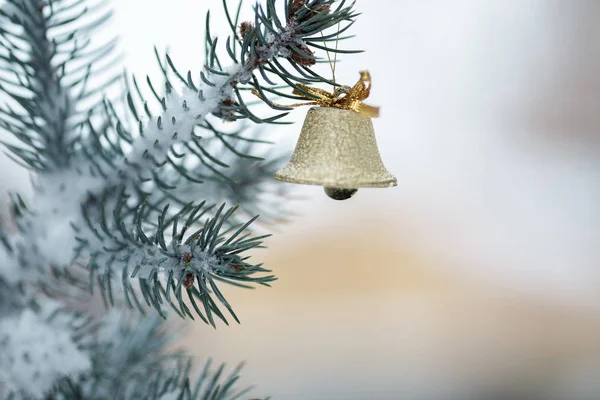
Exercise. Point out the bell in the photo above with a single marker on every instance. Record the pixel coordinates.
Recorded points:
(337, 149)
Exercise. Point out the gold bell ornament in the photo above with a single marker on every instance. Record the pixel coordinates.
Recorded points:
(337, 147)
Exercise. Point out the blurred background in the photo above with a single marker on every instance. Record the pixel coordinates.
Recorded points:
(478, 276)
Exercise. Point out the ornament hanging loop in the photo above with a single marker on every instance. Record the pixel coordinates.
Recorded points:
(344, 97)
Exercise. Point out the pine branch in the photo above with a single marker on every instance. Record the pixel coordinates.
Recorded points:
(51, 352)
(167, 155)
(34, 345)
(218, 91)
(41, 59)
(43, 46)
(167, 148)
(293, 37)
(155, 165)
(130, 359)
(192, 262)
(176, 384)
(124, 351)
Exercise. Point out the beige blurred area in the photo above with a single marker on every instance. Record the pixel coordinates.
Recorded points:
(358, 315)
(478, 277)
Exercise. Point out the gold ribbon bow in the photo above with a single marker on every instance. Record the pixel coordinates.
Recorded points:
(352, 99)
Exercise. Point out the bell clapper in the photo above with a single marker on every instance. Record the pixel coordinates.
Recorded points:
(339, 194)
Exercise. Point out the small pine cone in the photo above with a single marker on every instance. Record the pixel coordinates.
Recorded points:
(188, 281)
(304, 58)
(229, 102)
(245, 27)
(228, 115)
(296, 5)
(236, 267)
(187, 257)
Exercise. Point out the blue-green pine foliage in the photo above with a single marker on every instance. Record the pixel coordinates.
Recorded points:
(144, 192)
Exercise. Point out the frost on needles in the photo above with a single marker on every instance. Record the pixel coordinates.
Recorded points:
(143, 202)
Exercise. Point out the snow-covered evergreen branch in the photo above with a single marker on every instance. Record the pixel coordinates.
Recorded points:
(135, 194)
(191, 261)
(167, 147)
(46, 59)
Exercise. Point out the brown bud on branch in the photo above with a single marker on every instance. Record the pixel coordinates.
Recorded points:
(245, 27)
(188, 281)
(304, 56)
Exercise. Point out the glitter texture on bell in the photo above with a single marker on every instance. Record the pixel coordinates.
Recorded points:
(337, 149)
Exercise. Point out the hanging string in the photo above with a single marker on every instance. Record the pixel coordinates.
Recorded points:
(333, 64)
(337, 41)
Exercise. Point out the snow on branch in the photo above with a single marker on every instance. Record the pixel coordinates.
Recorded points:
(36, 351)
(170, 261)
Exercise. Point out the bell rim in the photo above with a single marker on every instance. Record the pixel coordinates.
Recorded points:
(391, 182)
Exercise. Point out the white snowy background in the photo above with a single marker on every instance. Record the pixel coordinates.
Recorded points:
(491, 122)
